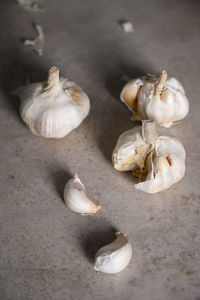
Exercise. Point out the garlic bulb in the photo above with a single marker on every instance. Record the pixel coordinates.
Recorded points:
(153, 154)
(115, 257)
(156, 98)
(76, 198)
(53, 108)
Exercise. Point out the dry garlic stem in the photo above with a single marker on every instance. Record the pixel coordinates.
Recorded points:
(115, 257)
(153, 154)
(157, 98)
(76, 198)
(53, 108)
(161, 83)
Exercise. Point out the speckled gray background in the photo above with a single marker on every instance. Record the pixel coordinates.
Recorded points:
(46, 250)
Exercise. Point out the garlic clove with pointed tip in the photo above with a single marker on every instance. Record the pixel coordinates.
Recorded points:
(53, 108)
(157, 98)
(153, 155)
(76, 198)
(115, 257)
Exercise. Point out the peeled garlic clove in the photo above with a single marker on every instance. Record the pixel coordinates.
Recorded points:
(76, 198)
(162, 156)
(53, 108)
(115, 257)
(157, 98)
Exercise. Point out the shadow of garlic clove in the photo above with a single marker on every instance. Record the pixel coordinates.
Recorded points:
(156, 98)
(153, 155)
(114, 257)
(76, 198)
(53, 108)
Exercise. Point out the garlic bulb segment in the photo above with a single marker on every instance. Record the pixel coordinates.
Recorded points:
(130, 93)
(76, 198)
(157, 98)
(153, 155)
(53, 108)
(115, 257)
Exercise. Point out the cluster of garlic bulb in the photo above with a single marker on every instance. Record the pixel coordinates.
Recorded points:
(53, 108)
(153, 154)
(115, 257)
(76, 198)
(154, 97)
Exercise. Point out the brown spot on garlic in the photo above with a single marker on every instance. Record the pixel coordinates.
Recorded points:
(76, 94)
(169, 160)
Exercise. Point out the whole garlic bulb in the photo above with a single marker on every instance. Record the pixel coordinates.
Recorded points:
(153, 154)
(53, 108)
(115, 257)
(156, 98)
(76, 198)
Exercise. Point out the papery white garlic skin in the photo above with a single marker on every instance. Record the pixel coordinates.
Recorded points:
(76, 198)
(53, 108)
(167, 168)
(126, 156)
(153, 154)
(115, 257)
(156, 98)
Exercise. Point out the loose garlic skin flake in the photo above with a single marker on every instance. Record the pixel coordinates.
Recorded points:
(115, 257)
(76, 198)
(156, 98)
(53, 108)
(153, 154)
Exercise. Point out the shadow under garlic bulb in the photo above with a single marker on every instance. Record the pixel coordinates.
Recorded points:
(154, 97)
(152, 154)
(53, 108)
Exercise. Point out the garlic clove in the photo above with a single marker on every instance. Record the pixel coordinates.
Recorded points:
(156, 98)
(129, 150)
(54, 108)
(76, 198)
(165, 176)
(130, 92)
(115, 257)
(149, 131)
(173, 83)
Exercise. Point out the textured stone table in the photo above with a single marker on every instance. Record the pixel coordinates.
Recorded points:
(46, 251)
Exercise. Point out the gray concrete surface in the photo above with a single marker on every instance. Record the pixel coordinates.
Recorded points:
(46, 251)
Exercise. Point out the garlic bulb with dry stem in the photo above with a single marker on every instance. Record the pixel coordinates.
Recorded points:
(53, 108)
(76, 198)
(156, 98)
(153, 154)
(115, 257)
